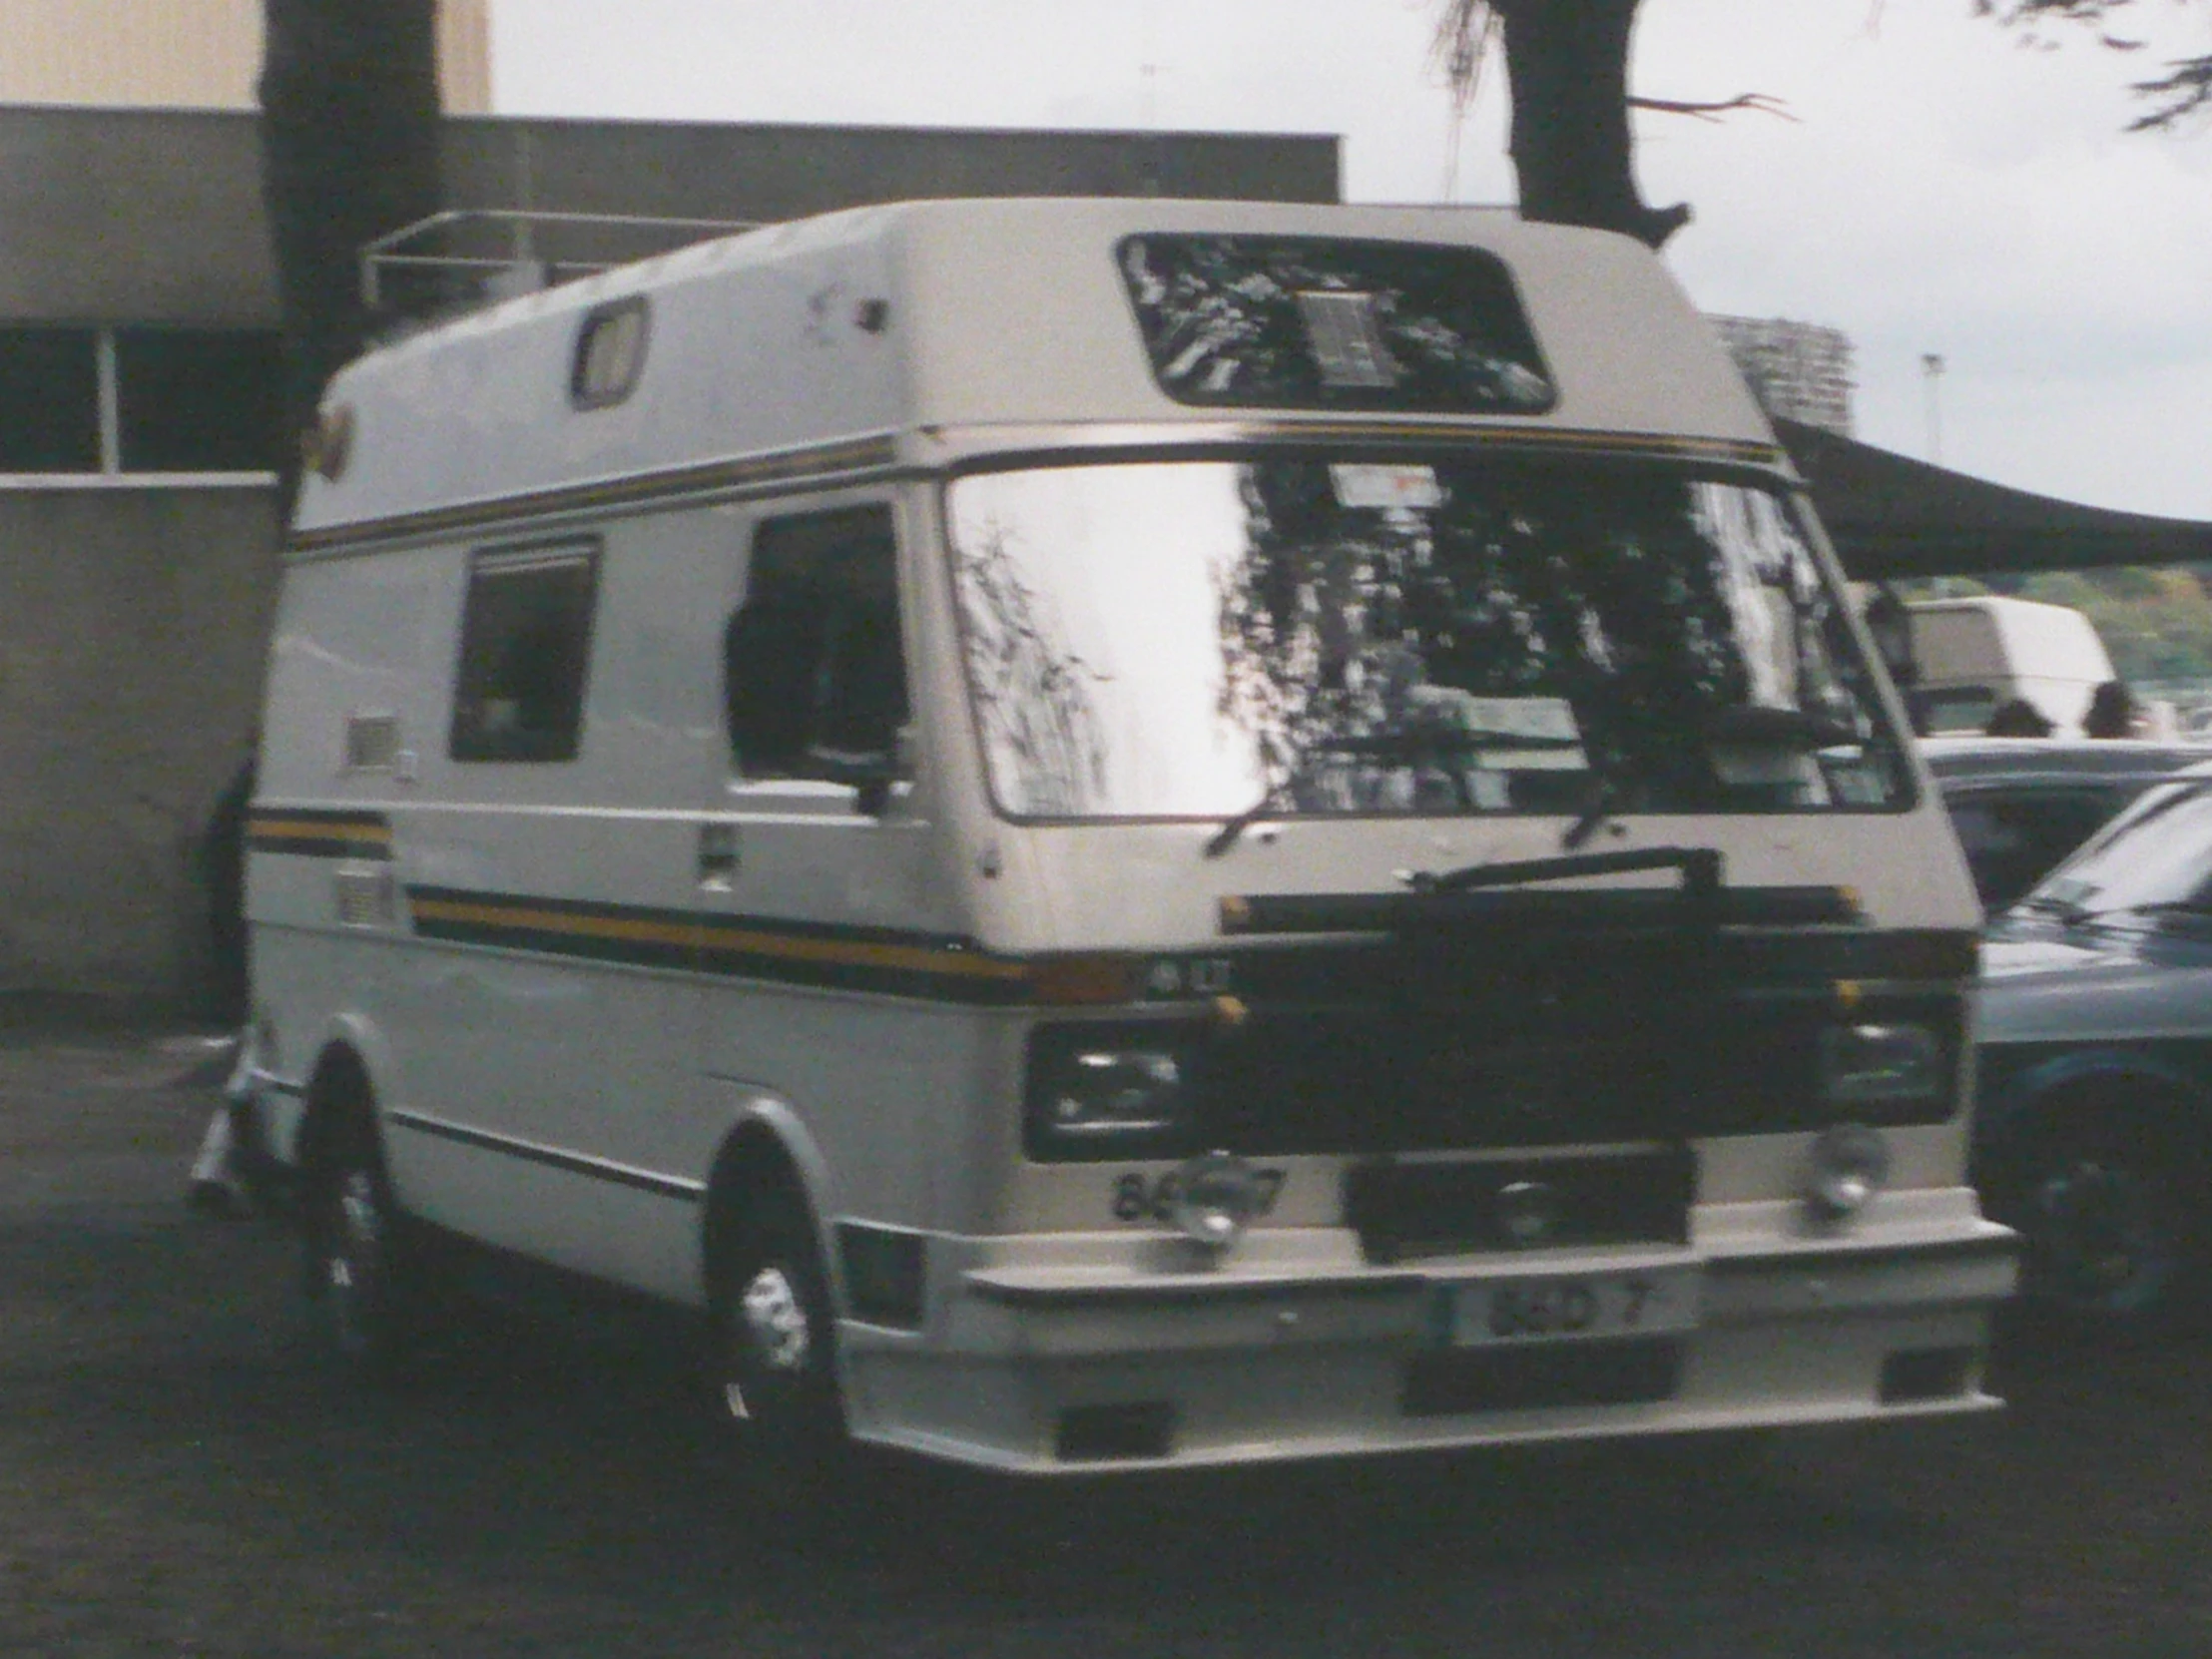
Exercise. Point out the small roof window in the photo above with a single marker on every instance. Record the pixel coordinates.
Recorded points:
(1318, 323)
(610, 354)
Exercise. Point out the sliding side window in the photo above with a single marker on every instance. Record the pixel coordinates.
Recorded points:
(813, 675)
(525, 645)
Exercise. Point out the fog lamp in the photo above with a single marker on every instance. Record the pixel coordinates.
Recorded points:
(1849, 1164)
(1216, 1196)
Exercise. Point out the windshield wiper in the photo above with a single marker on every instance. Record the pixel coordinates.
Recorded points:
(1227, 836)
(1700, 868)
(2049, 905)
(1596, 814)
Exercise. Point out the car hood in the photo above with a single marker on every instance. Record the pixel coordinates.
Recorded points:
(2006, 957)
(2041, 982)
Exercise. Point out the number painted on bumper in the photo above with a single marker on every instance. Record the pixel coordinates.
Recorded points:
(1139, 1197)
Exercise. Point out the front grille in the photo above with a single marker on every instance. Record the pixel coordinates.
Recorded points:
(1489, 1036)
(1517, 1024)
(1402, 1211)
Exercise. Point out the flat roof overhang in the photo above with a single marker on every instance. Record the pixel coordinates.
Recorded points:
(1890, 516)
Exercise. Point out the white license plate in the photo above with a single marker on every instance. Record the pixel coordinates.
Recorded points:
(1647, 1302)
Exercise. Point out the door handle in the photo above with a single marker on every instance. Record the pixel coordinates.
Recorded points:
(718, 855)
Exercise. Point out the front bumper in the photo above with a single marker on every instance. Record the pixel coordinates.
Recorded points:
(1077, 1351)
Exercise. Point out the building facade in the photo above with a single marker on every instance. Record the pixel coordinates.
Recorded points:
(188, 54)
(1796, 371)
(139, 534)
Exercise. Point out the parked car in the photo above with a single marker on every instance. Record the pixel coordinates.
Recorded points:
(2020, 805)
(2093, 1134)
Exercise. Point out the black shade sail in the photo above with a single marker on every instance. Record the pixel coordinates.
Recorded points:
(1890, 516)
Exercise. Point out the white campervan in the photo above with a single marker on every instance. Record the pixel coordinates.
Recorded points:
(1976, 654)
(1119, 833)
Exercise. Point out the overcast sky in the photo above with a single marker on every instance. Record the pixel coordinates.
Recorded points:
(1941, 189)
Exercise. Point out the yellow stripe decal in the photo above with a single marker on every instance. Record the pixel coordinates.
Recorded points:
(853, 959)
(307, 830)
(319, 833)
(707, 934)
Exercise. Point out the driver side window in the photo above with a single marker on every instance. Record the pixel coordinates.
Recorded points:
(813, 673)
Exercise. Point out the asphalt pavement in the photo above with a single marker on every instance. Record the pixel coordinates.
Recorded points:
(180, 1474)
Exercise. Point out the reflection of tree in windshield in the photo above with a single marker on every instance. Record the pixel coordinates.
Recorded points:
(1490, 633)
(1033, 692)
(1222, 321)
(1622, 594)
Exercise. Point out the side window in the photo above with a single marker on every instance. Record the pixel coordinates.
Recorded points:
(525, 645)
(813, 675)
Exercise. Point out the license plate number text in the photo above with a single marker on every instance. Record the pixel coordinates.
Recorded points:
(1571, 1306)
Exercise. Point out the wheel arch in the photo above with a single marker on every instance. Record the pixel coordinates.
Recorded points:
(767, 1146)
(2163, 1094)
(351, 1062)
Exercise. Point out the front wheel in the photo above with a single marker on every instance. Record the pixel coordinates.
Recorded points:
(772, 1355)
(359, 1265)
(2109, 1238)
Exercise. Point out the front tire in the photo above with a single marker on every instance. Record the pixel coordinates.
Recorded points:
(2110, 1244)
(772, 1349)
(360, 1265)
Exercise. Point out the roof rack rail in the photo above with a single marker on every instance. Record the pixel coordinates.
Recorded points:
(472, 256)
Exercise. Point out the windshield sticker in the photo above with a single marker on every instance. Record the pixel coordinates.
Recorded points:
(1363, 485)
(1346, 340)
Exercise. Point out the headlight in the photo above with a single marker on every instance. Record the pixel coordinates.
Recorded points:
(1117, 1091)
(1848, 1166)
(1881, 1065)
(1107, 1090)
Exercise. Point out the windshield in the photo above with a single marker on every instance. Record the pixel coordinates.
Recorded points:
(1188, 638)
(2155, 856)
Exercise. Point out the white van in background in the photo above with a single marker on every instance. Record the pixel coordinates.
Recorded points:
(1974, 655)
(1119, 831)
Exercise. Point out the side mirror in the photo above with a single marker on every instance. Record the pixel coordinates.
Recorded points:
(870, 773)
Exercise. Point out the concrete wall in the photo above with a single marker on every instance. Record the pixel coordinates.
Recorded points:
(132, 625)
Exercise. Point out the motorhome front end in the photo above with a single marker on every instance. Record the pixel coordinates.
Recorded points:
(1118, 834)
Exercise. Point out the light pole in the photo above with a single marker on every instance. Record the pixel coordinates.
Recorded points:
(1931, 371)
